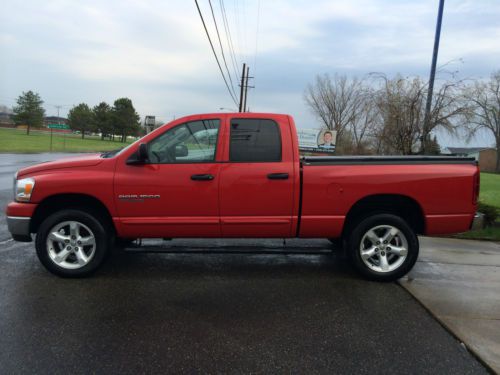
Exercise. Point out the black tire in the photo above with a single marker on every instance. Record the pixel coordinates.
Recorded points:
(90, 224)
(372, 268)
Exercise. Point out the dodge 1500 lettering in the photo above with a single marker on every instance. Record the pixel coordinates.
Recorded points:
(240, 175)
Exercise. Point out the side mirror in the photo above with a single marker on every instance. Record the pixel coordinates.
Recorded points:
(141, 156)
(181, 151)
(142, 153)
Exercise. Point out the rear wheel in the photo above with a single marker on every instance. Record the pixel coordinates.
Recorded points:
(71, 243)
(383, 247)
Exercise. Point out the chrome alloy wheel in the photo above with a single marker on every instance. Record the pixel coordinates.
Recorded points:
(383, 248)
(71, 245)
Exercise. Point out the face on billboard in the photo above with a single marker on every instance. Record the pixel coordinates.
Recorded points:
(325, 139)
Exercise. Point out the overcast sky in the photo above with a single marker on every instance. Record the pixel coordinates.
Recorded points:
(157, 53)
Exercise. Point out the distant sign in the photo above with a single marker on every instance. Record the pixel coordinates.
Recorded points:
(149, 123)
(150, 120)
(317, 140)
(58, 126)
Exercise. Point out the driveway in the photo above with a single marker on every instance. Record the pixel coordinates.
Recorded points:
(212, 306)
(459, 282)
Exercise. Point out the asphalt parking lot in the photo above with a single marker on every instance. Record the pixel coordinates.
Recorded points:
(296, 308)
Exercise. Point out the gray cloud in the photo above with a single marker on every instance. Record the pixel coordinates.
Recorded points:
(156, 52)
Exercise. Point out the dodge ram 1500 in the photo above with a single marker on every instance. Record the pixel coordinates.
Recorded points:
(240, 175)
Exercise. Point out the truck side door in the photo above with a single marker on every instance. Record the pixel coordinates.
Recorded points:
(174, 194)
(257, 179)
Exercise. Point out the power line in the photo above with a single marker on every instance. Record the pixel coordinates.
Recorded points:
(236, 22)
(256, 39)
(237, 25)
(229, 39)
(221, 48)
(244, 10)
(60, 105)
(215, 55)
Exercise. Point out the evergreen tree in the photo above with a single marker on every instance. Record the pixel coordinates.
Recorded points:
(81, 118)
(126, 120)
(103, 119)
(29, 110)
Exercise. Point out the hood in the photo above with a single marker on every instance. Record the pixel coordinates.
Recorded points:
(71, 162)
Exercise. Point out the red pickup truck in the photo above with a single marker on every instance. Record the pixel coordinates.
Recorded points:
(240, 175)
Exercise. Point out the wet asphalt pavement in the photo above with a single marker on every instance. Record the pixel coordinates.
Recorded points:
(229, 310)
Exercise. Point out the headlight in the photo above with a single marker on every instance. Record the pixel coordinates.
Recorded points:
(24, 189)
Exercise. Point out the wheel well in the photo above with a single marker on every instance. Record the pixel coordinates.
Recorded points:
(82, 202)
(399, 205)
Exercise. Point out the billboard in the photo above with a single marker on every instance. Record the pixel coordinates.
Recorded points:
(317, 140)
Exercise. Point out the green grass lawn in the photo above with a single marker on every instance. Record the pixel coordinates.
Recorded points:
(490, 189)
(16, 141)
(489, 194)
(489, 234)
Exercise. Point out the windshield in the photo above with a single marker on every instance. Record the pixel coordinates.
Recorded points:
(113, 153)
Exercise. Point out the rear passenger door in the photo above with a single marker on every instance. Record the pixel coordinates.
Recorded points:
(256, 186)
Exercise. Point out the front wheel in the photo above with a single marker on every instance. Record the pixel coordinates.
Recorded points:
(383, 247)
(71, 243)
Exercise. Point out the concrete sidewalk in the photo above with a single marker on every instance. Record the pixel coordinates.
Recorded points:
(458, 281)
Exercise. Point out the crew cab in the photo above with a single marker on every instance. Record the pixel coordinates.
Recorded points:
(228, 175)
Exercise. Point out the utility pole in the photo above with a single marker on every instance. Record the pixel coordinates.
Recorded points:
(246, 90)
(427, 118)
(58, 107)
(241, 108)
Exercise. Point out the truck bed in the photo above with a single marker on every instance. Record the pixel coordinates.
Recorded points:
(440, 186)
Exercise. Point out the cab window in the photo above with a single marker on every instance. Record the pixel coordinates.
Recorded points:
(192, 142)
(254, 140)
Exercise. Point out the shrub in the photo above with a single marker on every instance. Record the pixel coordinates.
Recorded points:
(490, 213)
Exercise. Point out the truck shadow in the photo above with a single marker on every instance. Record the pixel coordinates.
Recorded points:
(225, 262)
(227, 257)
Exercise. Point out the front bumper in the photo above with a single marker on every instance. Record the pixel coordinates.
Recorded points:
(477, 222)
(19, 228)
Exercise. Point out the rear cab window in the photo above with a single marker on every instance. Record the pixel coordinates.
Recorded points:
(254, 140)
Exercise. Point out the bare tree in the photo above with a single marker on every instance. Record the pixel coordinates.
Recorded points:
(401, 105)
(387, 115)
(484, 98)
(336, 103)
(447, 112)
(399, 102)
(364, 122)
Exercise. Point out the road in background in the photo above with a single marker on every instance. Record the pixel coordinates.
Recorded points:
(9, 165)
(303, 311)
